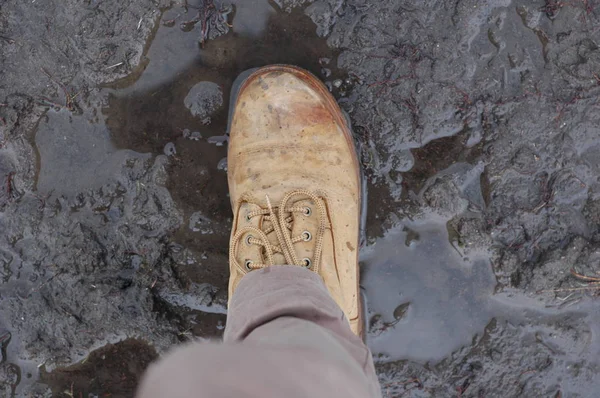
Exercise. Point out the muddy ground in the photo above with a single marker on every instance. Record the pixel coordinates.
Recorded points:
(479, 124)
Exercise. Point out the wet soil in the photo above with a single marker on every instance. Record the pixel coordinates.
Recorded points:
(478, 128)
(113, 370)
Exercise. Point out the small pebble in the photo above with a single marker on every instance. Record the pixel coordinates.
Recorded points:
(222, 164)
(204, 99)
(218, 140)
(169, 149)
(195, 136)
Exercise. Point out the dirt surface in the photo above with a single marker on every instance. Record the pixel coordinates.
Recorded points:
(478, 123)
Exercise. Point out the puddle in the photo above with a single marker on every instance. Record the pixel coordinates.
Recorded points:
(425, 299)
(113, 370)
(15, 372)
(430, 304)
(179, 106)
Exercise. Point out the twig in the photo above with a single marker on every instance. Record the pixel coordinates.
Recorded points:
(403, 383)
(527, 372)
(69, 98)
(570, 302)
(46, 102)
(33, 290)
(171, 22)
(115, 65)
(419, 385)
(465, 97)
(565, 298)
(584, 277)
(572, 289)
(391, 81)
(10, 184)
(205, 23)
(7, 39)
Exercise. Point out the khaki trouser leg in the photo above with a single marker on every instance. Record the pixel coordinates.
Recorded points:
(285, 337)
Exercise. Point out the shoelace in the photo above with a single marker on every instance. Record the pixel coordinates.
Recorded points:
(280, 221)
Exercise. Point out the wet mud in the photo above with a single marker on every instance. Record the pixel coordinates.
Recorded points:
(113, 370)
(478, 128)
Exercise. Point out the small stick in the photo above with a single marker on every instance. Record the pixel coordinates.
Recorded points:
(386, 82)
(573, 289)
(565, 298)
(584, 277)
(527, 372)
(583, 185)
(7, 39)
(10, 183)
(46, 102)
(115, 65)
(68, 97)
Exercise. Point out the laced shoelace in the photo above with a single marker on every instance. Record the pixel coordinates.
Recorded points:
(280, 221)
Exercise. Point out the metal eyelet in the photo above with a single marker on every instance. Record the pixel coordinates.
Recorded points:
(247, 240)
(306, 262)
(306, 236)
(248, 218)
(248, 263)
(308, 211)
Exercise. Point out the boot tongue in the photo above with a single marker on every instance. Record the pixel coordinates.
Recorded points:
(278, 258)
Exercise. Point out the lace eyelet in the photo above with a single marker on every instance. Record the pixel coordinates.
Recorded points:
(306, 236)
(306, 262)
(248, 218)
(307, 211)
(247, 264)
(247, 240)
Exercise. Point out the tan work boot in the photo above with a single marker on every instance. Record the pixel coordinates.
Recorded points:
(294, 181)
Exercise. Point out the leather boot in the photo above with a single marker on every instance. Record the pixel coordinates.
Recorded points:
(294, 181)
